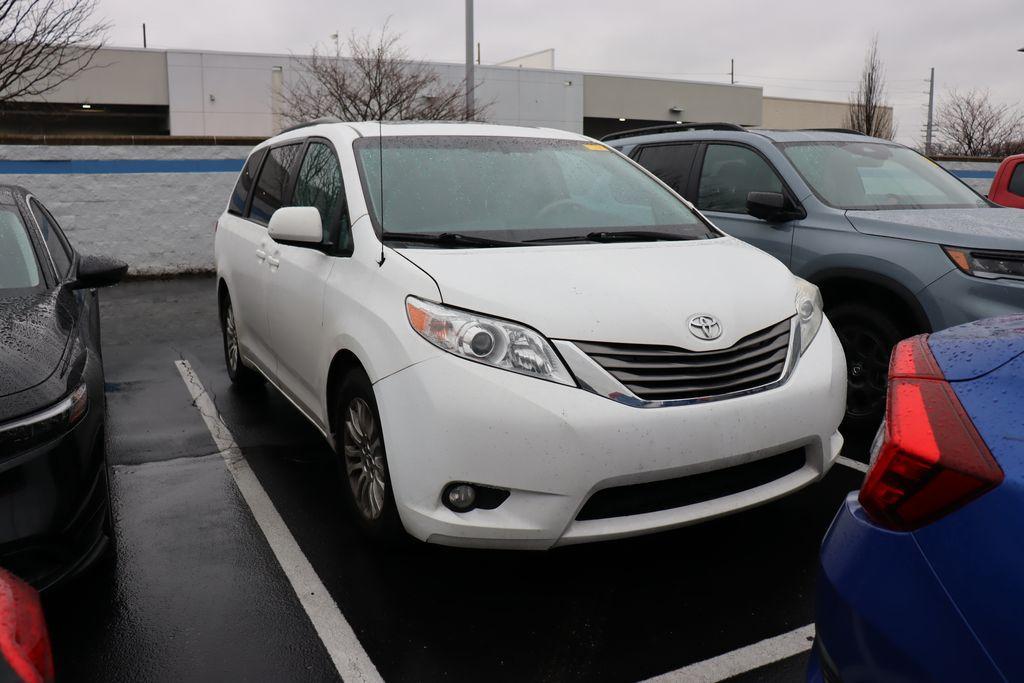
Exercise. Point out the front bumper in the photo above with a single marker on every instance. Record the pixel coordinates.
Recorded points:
(883, 615)
(54, 505)
(957, 298)
(449, 420)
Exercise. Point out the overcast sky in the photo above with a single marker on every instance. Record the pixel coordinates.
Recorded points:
(794, 48)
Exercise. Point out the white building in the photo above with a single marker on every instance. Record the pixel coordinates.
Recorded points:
(217, 94)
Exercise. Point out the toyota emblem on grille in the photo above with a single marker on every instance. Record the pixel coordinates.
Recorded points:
(705, 327)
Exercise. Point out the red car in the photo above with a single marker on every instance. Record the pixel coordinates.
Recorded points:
(1008, 185)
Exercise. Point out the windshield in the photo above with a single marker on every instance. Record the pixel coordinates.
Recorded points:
(18, 268)
(514, 189)
(874, 175)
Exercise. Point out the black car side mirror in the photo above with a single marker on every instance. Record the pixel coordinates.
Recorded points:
(772, 207)
(98, 271)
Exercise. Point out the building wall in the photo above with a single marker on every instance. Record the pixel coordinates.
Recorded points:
(158, 223)
(652, 99)
(785, 113)
(116, 76)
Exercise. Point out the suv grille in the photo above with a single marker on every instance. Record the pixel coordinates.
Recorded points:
(665, 373)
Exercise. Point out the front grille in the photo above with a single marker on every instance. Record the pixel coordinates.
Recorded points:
(664, 373)
(637, 499)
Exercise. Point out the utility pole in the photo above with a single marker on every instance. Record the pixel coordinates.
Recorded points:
(732, 72)
(144, 35)
(931, 111)
(470, 76)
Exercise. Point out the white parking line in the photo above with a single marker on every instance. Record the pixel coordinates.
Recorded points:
(341, 642)
(852, 464)
(743, 660)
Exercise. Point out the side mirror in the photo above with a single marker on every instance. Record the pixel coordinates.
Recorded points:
(771, 206)
(98, 271)
(297, 225)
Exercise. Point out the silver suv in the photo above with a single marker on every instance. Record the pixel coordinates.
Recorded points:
(897, 244)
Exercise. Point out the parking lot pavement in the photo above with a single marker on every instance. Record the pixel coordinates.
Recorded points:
(197, 591)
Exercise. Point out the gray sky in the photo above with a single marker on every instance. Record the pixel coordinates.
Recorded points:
(794, 48)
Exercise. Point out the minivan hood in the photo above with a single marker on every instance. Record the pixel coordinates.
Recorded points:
(641, 292)
(34, 332)
(992, 228)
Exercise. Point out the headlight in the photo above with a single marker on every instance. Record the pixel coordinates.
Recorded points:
(499, 343)
(808, 312)
(46, 425)
(989, 264)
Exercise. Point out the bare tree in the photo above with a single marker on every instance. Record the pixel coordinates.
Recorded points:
(44, 43)
(868, 111)
(971, 124)
(376, 81)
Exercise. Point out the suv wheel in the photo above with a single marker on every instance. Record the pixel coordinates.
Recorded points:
(362, 459)
(868, 337)
(240, 375)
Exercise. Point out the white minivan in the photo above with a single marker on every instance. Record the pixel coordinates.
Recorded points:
(517, 337)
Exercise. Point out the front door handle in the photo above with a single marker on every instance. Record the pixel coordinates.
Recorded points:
(261, 255)
(274, 262)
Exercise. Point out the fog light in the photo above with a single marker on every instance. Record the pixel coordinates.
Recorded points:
(460, 497)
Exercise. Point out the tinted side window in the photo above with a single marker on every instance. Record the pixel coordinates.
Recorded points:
(729, 173)
(241, 194)
(275, 179)
(320, 184)
(671, 163)
(55, 242)
(1016, 185)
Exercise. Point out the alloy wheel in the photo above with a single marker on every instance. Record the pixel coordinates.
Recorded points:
(231, 338)
(364, 459)
(867, 366)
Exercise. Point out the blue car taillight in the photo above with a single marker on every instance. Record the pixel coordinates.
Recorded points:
(932, 460)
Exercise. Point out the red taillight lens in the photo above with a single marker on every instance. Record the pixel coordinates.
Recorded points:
(24, 641)
(932, 460)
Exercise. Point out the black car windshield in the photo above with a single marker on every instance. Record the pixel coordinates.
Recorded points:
(18, 267)
(875, 175)
(514, 189)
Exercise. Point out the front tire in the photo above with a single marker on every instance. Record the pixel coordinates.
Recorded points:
(868, 337)
(362, 460)
(241, 376)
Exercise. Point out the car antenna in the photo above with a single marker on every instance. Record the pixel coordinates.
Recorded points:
(380, 153)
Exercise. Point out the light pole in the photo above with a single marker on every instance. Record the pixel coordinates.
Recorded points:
(470, 76)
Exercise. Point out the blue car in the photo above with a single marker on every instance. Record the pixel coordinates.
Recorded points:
(922, 572)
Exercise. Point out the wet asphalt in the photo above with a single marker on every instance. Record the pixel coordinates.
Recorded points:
(194, 593)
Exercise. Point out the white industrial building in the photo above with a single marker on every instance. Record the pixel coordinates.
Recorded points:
(217, 94)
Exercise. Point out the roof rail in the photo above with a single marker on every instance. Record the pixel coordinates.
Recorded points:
(849, 131)
(671, 127)
(314, 122)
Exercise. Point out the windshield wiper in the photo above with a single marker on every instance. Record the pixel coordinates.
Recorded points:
(619, 236)
(447, 239)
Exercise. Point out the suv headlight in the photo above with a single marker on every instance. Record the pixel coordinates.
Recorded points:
(491, 341)
(808, 312)
(988, 264)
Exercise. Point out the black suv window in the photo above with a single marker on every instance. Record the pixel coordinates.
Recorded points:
(56, 244)
(274, 183)
(241, 193)
(671, 163)
(729, 173)
(1016, 185)
(320, 184)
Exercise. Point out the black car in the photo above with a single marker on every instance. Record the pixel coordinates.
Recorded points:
(54, 499)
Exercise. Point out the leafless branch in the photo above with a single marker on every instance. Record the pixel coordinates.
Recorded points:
(868, 111)
(970, 124)
(45, 43)
(376, 80)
